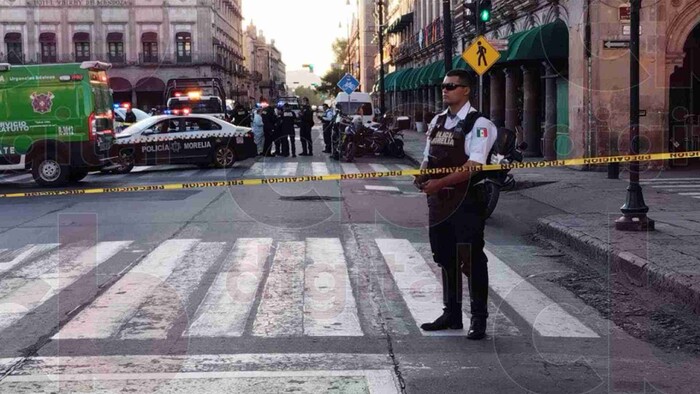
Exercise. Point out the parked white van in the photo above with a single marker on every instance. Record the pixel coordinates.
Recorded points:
(358, 100)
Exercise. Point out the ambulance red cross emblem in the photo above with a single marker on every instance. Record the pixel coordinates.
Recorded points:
(42, 102)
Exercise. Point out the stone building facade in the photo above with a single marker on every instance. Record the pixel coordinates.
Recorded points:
(148, 42)
(564, 90)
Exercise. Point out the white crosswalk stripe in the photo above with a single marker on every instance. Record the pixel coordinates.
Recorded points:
(104, 317)
(255, 286)
(682, 186)
(226, 307)
(32, 286)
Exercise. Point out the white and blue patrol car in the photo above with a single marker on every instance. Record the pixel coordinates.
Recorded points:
(190, 139)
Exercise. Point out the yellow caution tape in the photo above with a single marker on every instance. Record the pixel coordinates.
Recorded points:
(367, 175)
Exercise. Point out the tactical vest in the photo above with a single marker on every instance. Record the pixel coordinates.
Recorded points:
(447, 148)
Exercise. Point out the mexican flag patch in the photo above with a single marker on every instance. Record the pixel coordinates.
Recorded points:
(482, 132)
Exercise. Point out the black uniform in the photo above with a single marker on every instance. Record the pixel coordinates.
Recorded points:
(239, 115)
(456, 216)
(130, 117)
(287, 132)
(269, 124)
(307, 123)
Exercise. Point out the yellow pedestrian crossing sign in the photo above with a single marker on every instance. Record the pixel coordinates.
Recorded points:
(481, 55)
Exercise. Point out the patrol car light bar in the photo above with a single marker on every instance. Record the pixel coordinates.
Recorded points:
(5, 66)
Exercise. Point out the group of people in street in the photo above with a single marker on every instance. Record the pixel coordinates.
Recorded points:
(274, 128)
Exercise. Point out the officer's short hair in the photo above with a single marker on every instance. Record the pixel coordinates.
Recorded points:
(464, 77)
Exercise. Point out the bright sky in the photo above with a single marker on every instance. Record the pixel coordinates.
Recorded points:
(303, 30)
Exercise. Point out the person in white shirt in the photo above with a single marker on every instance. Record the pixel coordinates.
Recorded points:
(258, 131)
(458, 137)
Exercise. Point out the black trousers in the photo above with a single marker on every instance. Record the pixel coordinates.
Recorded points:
(327, 136)
(281, 144)
(457, 241)
(292, 141)
(307, 145)
(269, 138)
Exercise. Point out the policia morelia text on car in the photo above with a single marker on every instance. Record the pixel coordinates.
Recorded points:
(55, 119)
(193, 139)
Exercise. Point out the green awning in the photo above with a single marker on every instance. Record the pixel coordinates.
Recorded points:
(395, 82)
(411, 79)
(403, 82)
(388, 78)
(550, 41)
(438, 73)
(458, 62)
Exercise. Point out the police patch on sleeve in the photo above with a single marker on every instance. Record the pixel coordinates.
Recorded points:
(482, 132)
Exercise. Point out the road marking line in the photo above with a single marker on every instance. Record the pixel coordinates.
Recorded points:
(377, 381)
(319, 168)
(17, 178)
(689, 194)
(329, 304)
(417, 283)
(379, 167)
(67, 265)
(669, 179)
(677, 187)
(383, 188)
(281, 310)
(23, 254)
(541, 312)
(160, 312)
(141, 168)
(349, 168)
(229, 300)
(105, 316)
(405, 167)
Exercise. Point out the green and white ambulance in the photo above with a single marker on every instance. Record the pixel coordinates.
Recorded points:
(55, 119)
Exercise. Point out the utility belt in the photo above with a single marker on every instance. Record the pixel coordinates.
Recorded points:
(466, 191)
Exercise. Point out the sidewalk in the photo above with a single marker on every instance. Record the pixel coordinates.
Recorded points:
(667, 259)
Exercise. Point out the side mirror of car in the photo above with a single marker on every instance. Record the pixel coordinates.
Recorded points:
(148, 132)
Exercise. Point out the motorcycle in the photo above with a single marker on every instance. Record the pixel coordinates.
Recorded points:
(505, 152)
(375, 139)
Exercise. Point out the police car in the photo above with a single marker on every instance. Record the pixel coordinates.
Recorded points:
(188, 139)
(120, 115)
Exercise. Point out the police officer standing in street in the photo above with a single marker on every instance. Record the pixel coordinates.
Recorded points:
(326, 120)
(269, 124)
(307, 123)
(288, 134)
(458, 137)
(239, 114)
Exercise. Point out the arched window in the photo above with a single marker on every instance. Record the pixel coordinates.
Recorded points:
(13, 44)
(115, 47)
(47, 42)
(81, 43)
(183, 44)
(149, 42)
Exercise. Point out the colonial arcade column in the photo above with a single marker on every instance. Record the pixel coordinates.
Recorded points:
(531, 110)
(512, 120)
(550, 121)
(498, 103)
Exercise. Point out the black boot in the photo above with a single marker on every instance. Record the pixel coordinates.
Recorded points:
(477, 329)
(451, 319)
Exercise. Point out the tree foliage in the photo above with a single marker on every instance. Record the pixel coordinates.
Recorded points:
(332, 77)
(309, 92)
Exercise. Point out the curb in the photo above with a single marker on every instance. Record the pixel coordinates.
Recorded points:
(640, 271)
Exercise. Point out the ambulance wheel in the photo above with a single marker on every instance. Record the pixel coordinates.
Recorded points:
(48, 171)
(77, 175)
(224, 157)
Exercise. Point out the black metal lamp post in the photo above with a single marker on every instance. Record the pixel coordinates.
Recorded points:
(382, 106)
(447, 28)
(634, 212)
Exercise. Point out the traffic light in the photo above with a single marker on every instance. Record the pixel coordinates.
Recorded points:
(485, 11)
(479, 13)
(309, 66)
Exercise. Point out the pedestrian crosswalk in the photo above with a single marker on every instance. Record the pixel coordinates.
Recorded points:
(258, 287)
(689, 187)
(260, 169)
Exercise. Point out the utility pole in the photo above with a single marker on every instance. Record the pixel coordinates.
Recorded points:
(447, 39)
(634, 212)
(382, 107)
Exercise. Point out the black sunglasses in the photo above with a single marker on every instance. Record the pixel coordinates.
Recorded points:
(451, 86)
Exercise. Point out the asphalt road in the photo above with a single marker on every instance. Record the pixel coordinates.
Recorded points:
(317, 287)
